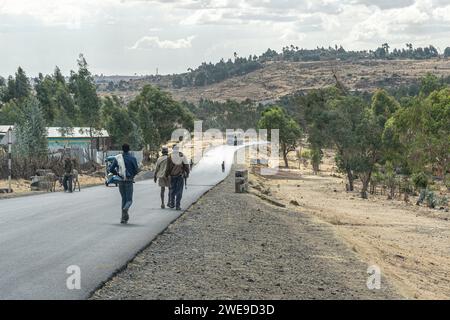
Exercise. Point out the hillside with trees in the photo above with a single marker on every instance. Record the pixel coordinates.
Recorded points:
(273, 74)
(209, 73)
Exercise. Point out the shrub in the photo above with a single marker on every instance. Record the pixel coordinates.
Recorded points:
(420, 180)
(447, 181)
(431, 199)
(306, 154)
(442, 201)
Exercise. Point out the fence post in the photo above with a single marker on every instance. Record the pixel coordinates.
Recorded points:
(9, 158)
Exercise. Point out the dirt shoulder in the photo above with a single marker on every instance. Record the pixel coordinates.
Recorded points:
(22, 187)
(237, 246)
(410, 244)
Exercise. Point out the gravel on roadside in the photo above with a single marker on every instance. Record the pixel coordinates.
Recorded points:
(237, 246)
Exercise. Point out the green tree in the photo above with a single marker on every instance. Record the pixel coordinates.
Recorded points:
(17, 87)
(177, 82)
(310, 111)
(383, 105)
(447, 52)
(120, 125)
(22, 87)
(3, 90)
(289, 131)
(434, 135)
(368, 148)
(30, 131)
(342, 120)
(429, 83)
(10, 113)
(423, 128)
(158, 115)
(55, 99)
(58, 77)
(83, 87)
(44, 88)
(356, 131)
(65, 104)
(394, 150)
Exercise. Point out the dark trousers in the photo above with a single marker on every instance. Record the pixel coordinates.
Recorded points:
(176, 191)
(126, 191)
(67, 182)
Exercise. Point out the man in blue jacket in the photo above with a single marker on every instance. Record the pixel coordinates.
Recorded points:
(126, 167)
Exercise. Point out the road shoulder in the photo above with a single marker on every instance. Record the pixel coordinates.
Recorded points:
(237, 246)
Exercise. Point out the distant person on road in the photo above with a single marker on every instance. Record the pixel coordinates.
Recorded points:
(126, 168)
(160, 175)
(68, 175)
(177, 170)
(223, 166)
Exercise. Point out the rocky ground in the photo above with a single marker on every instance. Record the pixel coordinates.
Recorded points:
(237, 246)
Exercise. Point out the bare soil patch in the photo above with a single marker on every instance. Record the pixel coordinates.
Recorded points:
(411, 244)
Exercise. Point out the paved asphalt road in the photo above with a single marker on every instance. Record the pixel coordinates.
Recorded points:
(42, 235)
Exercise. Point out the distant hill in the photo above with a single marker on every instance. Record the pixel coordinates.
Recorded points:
(278, 78)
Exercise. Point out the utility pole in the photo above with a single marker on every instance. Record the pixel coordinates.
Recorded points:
(9, 159)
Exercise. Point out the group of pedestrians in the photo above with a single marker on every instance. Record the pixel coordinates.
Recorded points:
(172, 171)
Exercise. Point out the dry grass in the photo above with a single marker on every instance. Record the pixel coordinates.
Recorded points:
(22, 186)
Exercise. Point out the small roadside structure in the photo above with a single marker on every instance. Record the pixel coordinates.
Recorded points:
(78, 137)
(83, 143)
(66, 138)
(4, 135)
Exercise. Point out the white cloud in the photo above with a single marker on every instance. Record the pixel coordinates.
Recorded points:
(69, 13)
(152, 42)
(58, 30)
(442, 13)
(390, 23)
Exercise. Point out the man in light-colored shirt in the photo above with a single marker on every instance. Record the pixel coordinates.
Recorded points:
(160, 175)
(177, 170)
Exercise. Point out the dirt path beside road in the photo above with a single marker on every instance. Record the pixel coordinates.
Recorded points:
(237, 246)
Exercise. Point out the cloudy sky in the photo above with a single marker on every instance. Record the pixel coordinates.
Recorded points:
(139, 36)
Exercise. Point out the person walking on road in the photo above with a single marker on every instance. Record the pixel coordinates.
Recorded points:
(126, 168)
(177, 170)
(223, 166)
(160, 175)
(68, 175)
